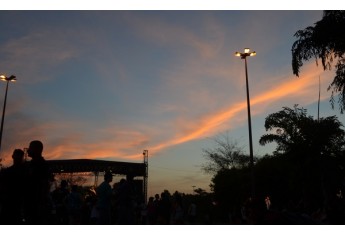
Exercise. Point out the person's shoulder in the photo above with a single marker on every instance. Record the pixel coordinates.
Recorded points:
(5, 171)
(100, 186)
(37, 161)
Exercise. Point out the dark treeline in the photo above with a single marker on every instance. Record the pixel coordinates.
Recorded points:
(298, 194)
(302, 182)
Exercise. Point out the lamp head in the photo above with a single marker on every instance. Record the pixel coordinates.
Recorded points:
(245, 54)
(12, 78)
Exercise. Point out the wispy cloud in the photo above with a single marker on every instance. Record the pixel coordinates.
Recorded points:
(33, 55)
(158, 31)
(291, 87)
(114, 141)
(197, 95)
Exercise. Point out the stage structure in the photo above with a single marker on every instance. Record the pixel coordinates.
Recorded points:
(98, 167)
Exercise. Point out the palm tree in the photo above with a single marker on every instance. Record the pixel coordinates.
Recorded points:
(295, 131)
(313, 145)
(324, 41)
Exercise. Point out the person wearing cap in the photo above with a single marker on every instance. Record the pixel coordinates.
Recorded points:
(104, 196)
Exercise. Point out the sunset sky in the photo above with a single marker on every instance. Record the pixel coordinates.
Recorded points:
(109, 84)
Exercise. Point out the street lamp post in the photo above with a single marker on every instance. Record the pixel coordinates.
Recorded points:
(244, 56)
(12, 78)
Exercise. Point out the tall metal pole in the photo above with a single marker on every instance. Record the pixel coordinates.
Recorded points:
(244, 56)
(7, 79)
(146, 159)
(250, 134)
(3, 114)
(318, 103)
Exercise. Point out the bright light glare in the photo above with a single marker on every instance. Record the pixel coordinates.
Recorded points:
(237, 54)
(12, 78)
(246, 50)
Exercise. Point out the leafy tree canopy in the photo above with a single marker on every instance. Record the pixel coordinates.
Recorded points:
(325, 41)
(293, 130)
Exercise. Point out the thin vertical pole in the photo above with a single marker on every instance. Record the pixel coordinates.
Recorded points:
(318, 104)
(3, 114)
(146, 160)
(250, 134)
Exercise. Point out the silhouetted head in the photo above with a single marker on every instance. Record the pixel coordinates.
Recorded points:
(74, 188)
(108, 176)
(35, 149)
(63, 184)
(129, 177)
(18, 156)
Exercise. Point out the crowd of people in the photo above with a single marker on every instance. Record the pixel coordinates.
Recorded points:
(26, 198)
(121, 203)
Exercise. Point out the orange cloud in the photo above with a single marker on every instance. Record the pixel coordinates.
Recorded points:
(292, 87)
(126, 142)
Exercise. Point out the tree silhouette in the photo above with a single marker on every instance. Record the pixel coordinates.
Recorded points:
(324, 41)
(296, 132)
(314, 148)
(302, 176)
(200, 191)
(225, 155)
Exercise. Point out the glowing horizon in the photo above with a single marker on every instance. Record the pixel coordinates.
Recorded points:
(161, 81)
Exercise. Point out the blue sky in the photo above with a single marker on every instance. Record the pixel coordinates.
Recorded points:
(109, 84)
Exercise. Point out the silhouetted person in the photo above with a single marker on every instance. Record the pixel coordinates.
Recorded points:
(157, 213)
(37, 199)
(192, 213)
(151, 212)
(177, 215)
(120, 201)
(131, 199)
(89, 212)
(104, 194)
(12, 186)
(125, 201)
(74, 205)
(59, 197)
(165, 208)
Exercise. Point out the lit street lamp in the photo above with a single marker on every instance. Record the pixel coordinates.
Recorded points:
(12, 78)
(244, 56)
